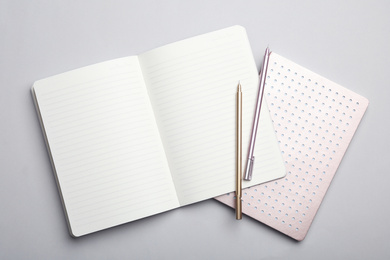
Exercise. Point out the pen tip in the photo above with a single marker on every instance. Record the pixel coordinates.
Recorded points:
(239, 86)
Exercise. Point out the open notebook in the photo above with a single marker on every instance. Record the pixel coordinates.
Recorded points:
(315, 120)
(136, 136)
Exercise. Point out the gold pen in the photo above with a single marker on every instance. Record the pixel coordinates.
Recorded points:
(239, 153)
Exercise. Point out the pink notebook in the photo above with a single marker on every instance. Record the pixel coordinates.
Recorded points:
(314, 120)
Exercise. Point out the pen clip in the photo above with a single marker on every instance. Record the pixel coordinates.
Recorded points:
(249, 169)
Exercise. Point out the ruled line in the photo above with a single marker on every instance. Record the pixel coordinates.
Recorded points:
(216, 43)
(128, 210)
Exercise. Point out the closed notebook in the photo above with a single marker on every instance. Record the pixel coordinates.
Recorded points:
(140, 135)
(315, 120)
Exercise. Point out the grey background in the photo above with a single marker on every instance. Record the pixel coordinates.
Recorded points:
(345, 41)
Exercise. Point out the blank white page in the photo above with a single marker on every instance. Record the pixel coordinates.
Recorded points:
(192, 86)
(104, 143)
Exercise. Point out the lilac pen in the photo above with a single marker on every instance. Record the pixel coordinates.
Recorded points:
(251, 158)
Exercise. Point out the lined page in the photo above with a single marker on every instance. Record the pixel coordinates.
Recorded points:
(104, 142)
(192, 86)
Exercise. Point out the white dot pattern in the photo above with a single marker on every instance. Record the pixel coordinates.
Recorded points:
(314, 120)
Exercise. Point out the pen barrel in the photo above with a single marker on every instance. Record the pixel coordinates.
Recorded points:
(239, 209)
(262, 79)
(239, 154)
